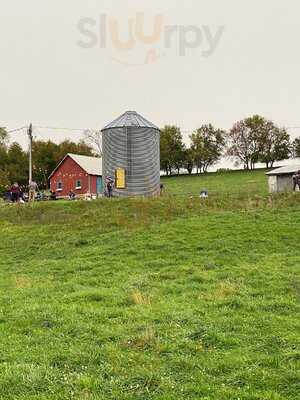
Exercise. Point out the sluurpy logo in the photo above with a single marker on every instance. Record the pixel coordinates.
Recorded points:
(136, 47)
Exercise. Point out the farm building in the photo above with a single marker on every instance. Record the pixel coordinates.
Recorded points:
(131, 155)
(281, 179)
(81, 174)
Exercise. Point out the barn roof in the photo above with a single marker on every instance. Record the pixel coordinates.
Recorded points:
(91, 165)
(130, 119)
(287, 170)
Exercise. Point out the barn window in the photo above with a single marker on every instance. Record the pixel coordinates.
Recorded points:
(59, 185)
(78, 184)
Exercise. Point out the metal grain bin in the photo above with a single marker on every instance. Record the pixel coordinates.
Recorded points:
(131, 144)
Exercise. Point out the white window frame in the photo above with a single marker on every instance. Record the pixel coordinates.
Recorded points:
(76, 184)
(59, 186)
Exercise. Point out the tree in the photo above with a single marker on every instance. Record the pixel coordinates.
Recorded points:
(172, 149)
(4, 181)
(44, 160)
(17, 164)
(207, 145)
(257, 139)
(189, 162)
(4, 178)
(296, 148)
(197, 148)
(3, 156)
(46, 156)
(275, 144)
(94, 138)
(3, 136)
(67, 146)
(244, 141)
(165, 156)
(3, 148)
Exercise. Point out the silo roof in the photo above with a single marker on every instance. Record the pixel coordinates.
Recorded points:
(130, 119)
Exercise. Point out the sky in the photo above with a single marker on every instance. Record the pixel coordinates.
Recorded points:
(80, 64)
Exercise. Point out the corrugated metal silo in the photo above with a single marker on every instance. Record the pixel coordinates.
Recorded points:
(131, 145)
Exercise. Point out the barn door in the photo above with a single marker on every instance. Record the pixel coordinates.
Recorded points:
(99, 185)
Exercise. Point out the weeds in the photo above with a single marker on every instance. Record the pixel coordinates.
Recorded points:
(139, 298)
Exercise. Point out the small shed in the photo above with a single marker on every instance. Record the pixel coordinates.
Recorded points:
(77, 173)
(281, 179)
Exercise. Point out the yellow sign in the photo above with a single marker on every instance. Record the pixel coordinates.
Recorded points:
(120, 178)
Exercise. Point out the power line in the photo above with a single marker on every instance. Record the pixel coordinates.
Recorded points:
(64, 129)
(185, 130)
(17, 129)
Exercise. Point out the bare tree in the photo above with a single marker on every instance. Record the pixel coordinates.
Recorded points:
(94, 138)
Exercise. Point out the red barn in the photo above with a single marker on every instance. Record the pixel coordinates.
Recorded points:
(81, 174)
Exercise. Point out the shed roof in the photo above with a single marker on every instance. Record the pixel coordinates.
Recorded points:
(91, 165)
(130, 119)
(287, 170)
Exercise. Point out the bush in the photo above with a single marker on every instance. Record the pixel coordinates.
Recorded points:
(4, 182)
(223, 170)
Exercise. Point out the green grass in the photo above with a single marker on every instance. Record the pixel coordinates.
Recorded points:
(172, 298)
(228, 183)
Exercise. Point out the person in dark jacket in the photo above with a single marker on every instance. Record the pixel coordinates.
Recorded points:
(15, 193)
(7, 195)
(296, 180)
(53, 195)
(109, 189)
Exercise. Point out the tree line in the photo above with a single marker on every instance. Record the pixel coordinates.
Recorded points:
(250, 141)
(14, 166)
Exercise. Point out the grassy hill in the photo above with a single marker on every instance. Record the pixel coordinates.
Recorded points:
(228, 183)
(170, 298)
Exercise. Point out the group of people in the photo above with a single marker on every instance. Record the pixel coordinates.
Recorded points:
(21, 194)
(16, 193)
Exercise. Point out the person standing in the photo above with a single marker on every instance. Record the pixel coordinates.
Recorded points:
(15, 193)
(33, 187)
(162, 188)
(296, 180)
(109, 188)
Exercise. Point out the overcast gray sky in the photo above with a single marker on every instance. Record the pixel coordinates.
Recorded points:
(47, 78)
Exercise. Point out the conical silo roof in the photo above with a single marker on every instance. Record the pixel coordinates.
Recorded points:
(130, 119)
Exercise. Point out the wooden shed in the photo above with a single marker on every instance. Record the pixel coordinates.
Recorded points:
(80, 174)
(281, 179)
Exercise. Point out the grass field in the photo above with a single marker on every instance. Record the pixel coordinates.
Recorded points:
(171, 298)
(229, 183)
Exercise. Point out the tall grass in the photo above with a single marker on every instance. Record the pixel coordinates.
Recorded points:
(133, 213)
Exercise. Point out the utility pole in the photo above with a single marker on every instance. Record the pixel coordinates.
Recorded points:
(30, 152)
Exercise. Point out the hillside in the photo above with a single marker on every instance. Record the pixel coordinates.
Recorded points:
(170, 298)
(230, 183)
